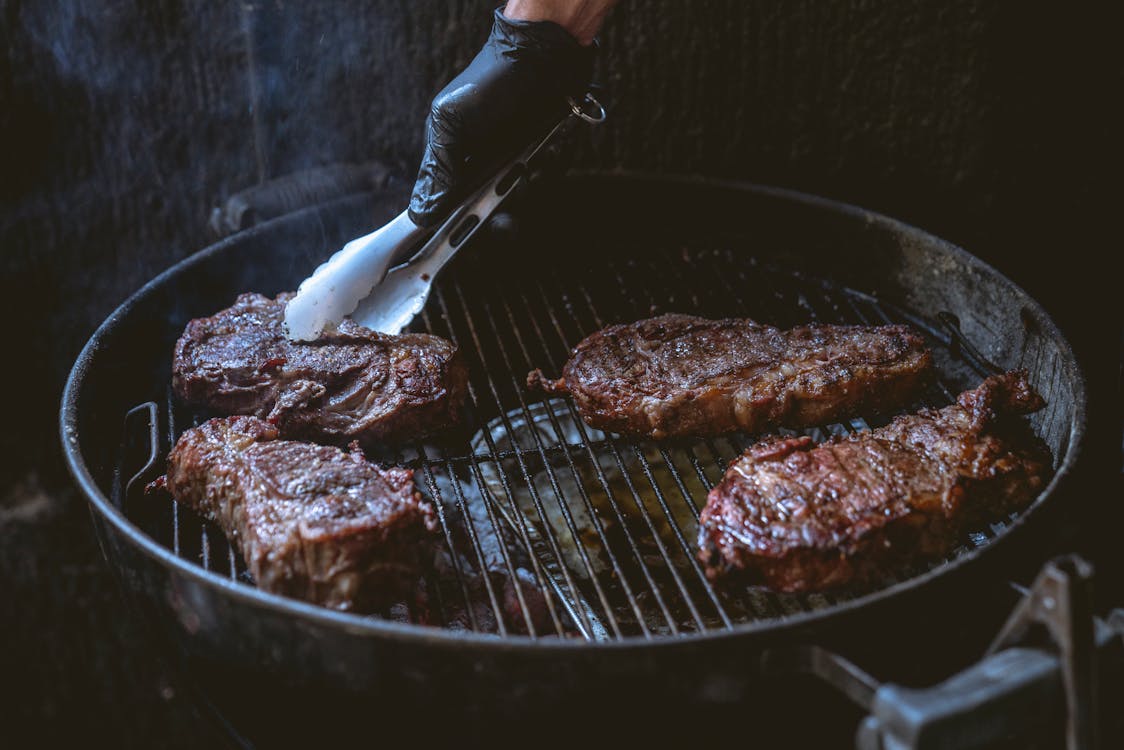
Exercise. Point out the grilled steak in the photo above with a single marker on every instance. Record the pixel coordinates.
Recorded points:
(798, 517)
(313, 522)
(679, 375)
(351, 384)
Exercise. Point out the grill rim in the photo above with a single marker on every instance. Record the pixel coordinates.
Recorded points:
(433, 636)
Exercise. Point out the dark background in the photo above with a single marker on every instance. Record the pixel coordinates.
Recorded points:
(992, 124)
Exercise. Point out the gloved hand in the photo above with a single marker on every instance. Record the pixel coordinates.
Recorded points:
(511, 92)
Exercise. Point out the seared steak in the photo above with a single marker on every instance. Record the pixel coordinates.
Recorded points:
(798, 517)
(351, 384)
(313, 522)
(679, 375)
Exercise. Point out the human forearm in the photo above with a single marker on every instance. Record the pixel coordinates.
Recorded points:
(582, 18)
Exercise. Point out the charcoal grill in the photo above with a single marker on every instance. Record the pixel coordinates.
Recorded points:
(568, 553)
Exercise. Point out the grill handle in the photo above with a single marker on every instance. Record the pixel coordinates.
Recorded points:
(282, 195)
(1013, 689)
(1001, 697)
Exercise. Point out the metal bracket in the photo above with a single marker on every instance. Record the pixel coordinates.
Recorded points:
(1061, 600)
(839, 672)
(123, 491)
(1017, 683)
(961, 348)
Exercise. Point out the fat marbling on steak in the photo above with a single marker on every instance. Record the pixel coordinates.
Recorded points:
(313, 522)
(351, 384)
(679, 375)
(797, 517)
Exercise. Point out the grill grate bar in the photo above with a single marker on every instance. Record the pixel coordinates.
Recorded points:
(579, 609)
(470, 525)
(172, 435)
(232, 561)
(552, 477)
(574, 472)
(765, 603)
(415, 461)
(490, 504)
(700, 472)
(665, 273)
(688, 551)
(641, 506)
(584, 441)
(435, 600)
(611, 443)
(474, 538)
(570, 595)
(536, 567)
(521, 459)
(451, 547)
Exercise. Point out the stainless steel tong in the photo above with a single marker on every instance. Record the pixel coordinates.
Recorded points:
(382, 280)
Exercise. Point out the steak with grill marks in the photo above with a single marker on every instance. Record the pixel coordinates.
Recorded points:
(679, 375)
(313, 522)
(351, 384)
(798, 517)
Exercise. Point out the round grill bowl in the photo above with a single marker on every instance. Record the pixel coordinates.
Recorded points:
(588, 250)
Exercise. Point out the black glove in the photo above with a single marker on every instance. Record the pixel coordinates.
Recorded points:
(510, 93)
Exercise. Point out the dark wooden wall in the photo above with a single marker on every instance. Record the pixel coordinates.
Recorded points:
(122, 124)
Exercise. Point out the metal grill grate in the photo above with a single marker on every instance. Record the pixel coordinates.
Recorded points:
(552, 528)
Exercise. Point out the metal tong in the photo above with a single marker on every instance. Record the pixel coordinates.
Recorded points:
(382, 280)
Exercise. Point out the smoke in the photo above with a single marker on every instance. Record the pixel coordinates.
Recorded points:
(90, 43)
(352, 82)
(301, 84)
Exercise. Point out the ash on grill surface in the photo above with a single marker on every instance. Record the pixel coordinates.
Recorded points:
(680, 375)
(351, 384)
(800, 518)
(313, 522)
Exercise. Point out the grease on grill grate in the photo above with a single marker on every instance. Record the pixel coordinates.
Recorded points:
(552, 528)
